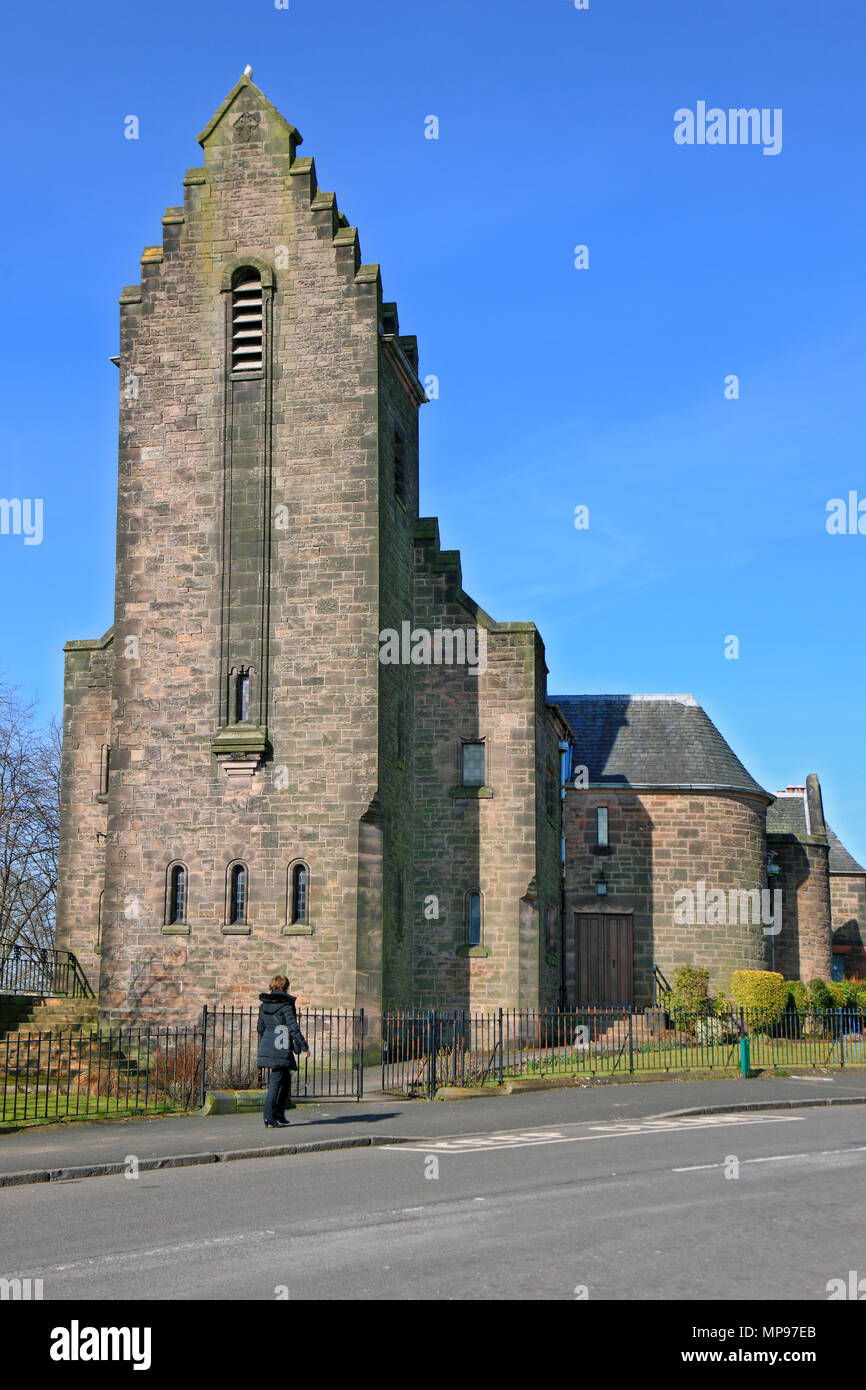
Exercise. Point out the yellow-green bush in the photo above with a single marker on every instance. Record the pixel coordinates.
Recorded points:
(798, 996)
(763, 992)
(689, 996)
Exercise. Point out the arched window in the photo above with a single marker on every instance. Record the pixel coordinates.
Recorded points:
(238, 892)
(104, 769)
(176, 913)
(474, 918)
(299, 896)
(247, 321)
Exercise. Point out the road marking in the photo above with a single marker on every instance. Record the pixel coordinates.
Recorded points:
(526, 1139)
(160, 1250)
(774, 1158)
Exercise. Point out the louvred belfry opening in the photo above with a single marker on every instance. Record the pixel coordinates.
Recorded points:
(247, 332)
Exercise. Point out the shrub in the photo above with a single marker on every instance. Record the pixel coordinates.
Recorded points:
(851, 995)
(821, 997)
(690, 995)
(716, 1030)
(798, 997)
(763, 992)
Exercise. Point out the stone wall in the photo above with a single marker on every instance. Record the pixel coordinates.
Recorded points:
(316, 544)
(801, 951)
(663, 842)
(83, 805)
(475, 839)
(848, 920)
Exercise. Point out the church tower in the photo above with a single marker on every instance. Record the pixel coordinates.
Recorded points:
(249, 786)
(268, 487)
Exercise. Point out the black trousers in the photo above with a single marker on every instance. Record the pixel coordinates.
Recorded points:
(279, 1092)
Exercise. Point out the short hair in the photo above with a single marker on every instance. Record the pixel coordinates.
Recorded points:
(279, 982)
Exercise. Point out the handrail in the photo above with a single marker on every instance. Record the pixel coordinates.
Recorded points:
(661, 986)
(29, 969)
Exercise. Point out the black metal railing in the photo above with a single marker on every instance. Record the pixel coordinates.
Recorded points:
(661, 986)
(28, 969)
(335, 1067)
(130, 1070)
(424, 1051)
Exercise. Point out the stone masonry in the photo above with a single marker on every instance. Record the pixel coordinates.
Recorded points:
(240, 724)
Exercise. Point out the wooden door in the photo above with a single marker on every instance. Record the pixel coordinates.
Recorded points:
(604, 958)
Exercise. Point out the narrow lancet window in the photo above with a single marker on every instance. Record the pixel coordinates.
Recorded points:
(299, 895)
(473, 918)
(238, 896)
(177, 896)
(242, 698)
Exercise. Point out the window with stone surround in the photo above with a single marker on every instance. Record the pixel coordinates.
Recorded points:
(473, 764)
(241, 682)
(299, 895)
(474, 913)
(601, 828)
(238, 895)
(176, 881)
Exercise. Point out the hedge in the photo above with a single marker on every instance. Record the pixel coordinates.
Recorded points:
(763, 992)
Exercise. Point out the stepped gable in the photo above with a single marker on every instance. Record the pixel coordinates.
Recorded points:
(841, 862)
(245, 127)
(654, 741)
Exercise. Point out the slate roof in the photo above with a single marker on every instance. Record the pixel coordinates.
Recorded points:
(841, 862)
(652, 741)
(787, 816)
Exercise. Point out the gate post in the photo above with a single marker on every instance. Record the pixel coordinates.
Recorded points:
(630, 1042)
(501, 1066)
(203, 1058)
(431, 1053)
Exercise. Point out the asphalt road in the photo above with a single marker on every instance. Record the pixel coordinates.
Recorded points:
(606, 1209)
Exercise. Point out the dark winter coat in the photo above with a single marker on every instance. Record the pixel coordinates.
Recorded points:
(277, 1049)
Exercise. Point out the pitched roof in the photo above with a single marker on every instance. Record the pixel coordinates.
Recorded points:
(787, 815)
(841, 862)
(652, 741)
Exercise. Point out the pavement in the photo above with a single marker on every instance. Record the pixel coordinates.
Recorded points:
(84, 1149)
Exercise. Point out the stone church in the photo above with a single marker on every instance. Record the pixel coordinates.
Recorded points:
(302, 746)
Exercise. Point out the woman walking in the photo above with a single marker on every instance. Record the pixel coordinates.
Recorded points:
(280, 1037)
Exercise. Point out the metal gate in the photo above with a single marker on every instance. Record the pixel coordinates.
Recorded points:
(424, 1050)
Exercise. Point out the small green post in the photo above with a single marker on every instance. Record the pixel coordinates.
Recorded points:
(745, 1058)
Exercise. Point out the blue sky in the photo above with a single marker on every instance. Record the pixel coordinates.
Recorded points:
(558, 387)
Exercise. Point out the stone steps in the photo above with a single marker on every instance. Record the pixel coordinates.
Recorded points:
(42, 1015)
